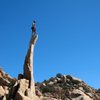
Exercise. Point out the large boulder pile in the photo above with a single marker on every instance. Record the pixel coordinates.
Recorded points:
(66, 87)
(61, 87)
(6, 82)
(15, 89)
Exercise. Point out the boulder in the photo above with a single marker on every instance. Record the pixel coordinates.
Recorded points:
(5, 79)
(2, 91)
(23, 85)
(79, 95)
(20, 76)
(21, 96)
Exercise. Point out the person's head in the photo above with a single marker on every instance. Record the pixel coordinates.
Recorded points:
(34, 21)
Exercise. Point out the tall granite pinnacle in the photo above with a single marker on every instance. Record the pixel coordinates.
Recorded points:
(29, 59)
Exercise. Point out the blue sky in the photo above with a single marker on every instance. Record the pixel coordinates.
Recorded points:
(68, 43)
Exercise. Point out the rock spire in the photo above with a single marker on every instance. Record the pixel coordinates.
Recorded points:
(29, 59)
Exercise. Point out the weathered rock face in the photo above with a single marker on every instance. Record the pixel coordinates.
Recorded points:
(28, 64)
(23, 91)
(6, 82)
(20, 96)
(2, 91)
(61, 87)
(13, 89)
(66, 87)
(5, 79)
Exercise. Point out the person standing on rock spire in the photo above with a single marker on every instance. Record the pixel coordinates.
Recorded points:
(29, 59)
(33, 28)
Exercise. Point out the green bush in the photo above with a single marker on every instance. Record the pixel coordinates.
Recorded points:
(59, 75)
(46, 89)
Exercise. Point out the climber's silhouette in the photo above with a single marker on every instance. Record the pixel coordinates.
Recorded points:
(33, 28)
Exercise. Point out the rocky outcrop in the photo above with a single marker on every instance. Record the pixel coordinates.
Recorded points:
(28, 64)
(6, 82)
(20, 96)
(23, 91)
(24, 87)
(5, 79)
(66, 87)
(13, 89)
(2, 91)
(61, 87)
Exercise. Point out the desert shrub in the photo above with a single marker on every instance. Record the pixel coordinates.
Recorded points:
(69, 77)
(51, 79)
(75, 81)
(45, 81)
(86, 89)
(59, 75)
(46, 89)
(98, 91)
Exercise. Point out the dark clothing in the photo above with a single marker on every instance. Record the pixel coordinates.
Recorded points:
(33, 28)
